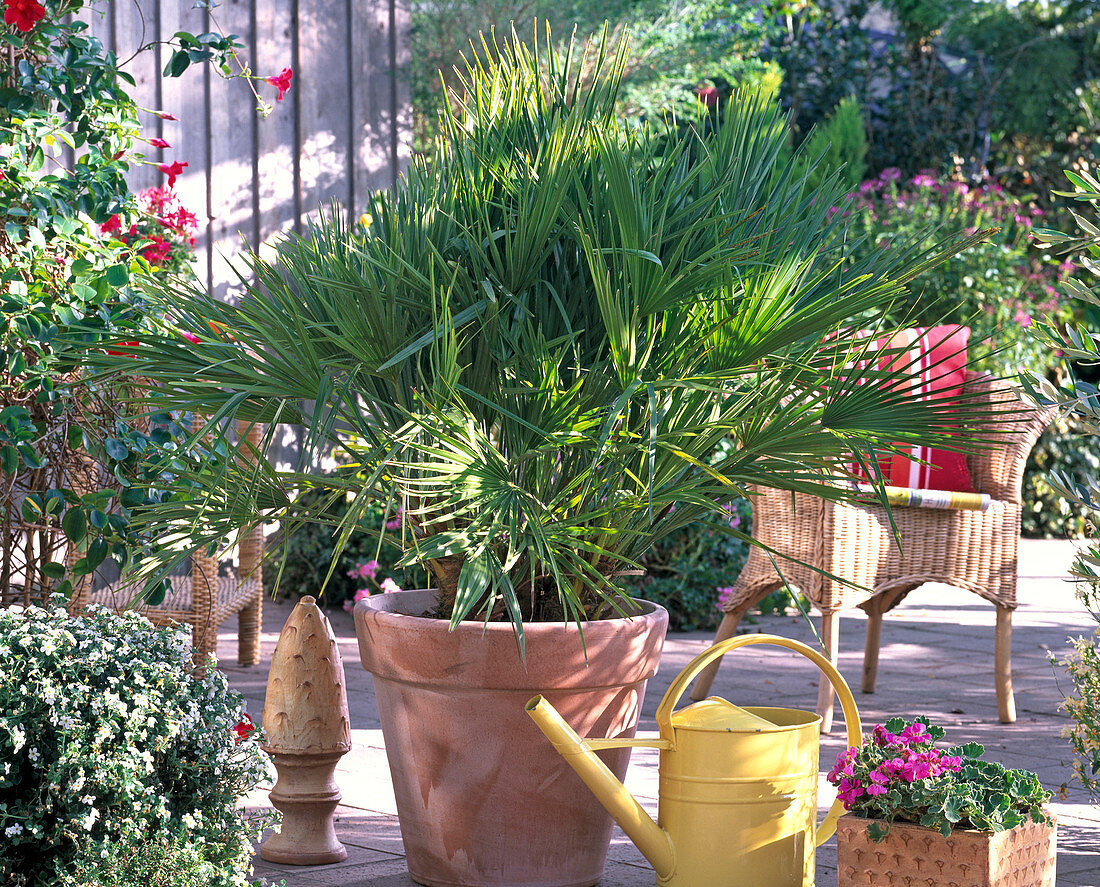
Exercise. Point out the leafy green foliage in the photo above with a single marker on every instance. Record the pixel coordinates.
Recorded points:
(305, 555)
(900, 775)
(538, 342)
(685, 570)
(75, 459)
(1067, 447)
(838, 145)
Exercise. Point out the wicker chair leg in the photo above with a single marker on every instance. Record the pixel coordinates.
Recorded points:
(1002, 658)
(742, 598)
(830, 637)
(870, 649)
(730, 621)
(249, 621)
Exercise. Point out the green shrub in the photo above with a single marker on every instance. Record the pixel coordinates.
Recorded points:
(304, 555)
(838, 144)
(162, 862)
(110, 741)
(1080, 343)
(1048, 512)
(686, 571)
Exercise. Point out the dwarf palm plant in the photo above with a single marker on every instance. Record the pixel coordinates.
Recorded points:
(539, 340)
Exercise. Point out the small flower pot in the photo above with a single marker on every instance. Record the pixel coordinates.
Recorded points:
(911, 854)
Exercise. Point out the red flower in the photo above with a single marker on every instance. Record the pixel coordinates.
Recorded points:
(112, 225)
(23, 13)
(194, 340)
(124, 345)
(708, 95)
(243, 729)
(158, 143)
(281, 82)
(158, 252)
(164, 115)
(172, 170)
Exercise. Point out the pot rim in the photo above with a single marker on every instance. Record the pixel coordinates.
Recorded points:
(856, 818)
(398, 646)
(646, 610)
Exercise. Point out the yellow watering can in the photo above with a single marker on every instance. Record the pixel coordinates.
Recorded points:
(738, 786)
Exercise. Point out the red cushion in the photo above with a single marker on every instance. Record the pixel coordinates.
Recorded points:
(936, 358)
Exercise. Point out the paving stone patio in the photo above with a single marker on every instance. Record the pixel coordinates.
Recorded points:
(937, 659)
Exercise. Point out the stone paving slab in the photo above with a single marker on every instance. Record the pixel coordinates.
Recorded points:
(937, 659)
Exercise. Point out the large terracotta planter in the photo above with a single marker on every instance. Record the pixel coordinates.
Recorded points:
(482, 797)
(910, 854)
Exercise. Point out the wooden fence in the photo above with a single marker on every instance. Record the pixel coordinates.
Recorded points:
(341, 131)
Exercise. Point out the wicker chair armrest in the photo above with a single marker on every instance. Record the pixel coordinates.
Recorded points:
(999, 468)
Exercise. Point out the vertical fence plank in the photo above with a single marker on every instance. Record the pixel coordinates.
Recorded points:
(184, 97)
(134, 27)
(231, 112)
(276, 161)
(324, 140)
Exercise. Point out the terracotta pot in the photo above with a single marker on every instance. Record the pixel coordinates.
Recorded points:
(482, 797)
(911, 854)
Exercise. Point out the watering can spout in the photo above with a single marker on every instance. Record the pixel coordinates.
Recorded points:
(652, 840)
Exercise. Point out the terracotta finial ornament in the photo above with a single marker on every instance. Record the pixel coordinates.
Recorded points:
(307, 732)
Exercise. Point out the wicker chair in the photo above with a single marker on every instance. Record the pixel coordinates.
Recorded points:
(204, 599)
(972, 550)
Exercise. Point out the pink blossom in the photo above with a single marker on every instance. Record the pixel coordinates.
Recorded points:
(158, 143)
(724, 594)
(388, 586)
(172, 170)
(395, 522)
(281, 82)
(1023, 318)
(362, 594)
(366, 570)
(849, 790)
(843, 765)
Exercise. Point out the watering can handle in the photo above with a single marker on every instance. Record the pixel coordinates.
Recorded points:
(851, 715)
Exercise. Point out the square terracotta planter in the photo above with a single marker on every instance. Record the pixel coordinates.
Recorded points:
(911, 854)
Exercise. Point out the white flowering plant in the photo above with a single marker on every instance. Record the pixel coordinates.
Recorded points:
(110, 741)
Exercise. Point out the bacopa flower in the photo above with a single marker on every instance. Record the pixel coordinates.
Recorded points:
(281, 82)
(172, 170)
(243, 728)
(24, 14)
